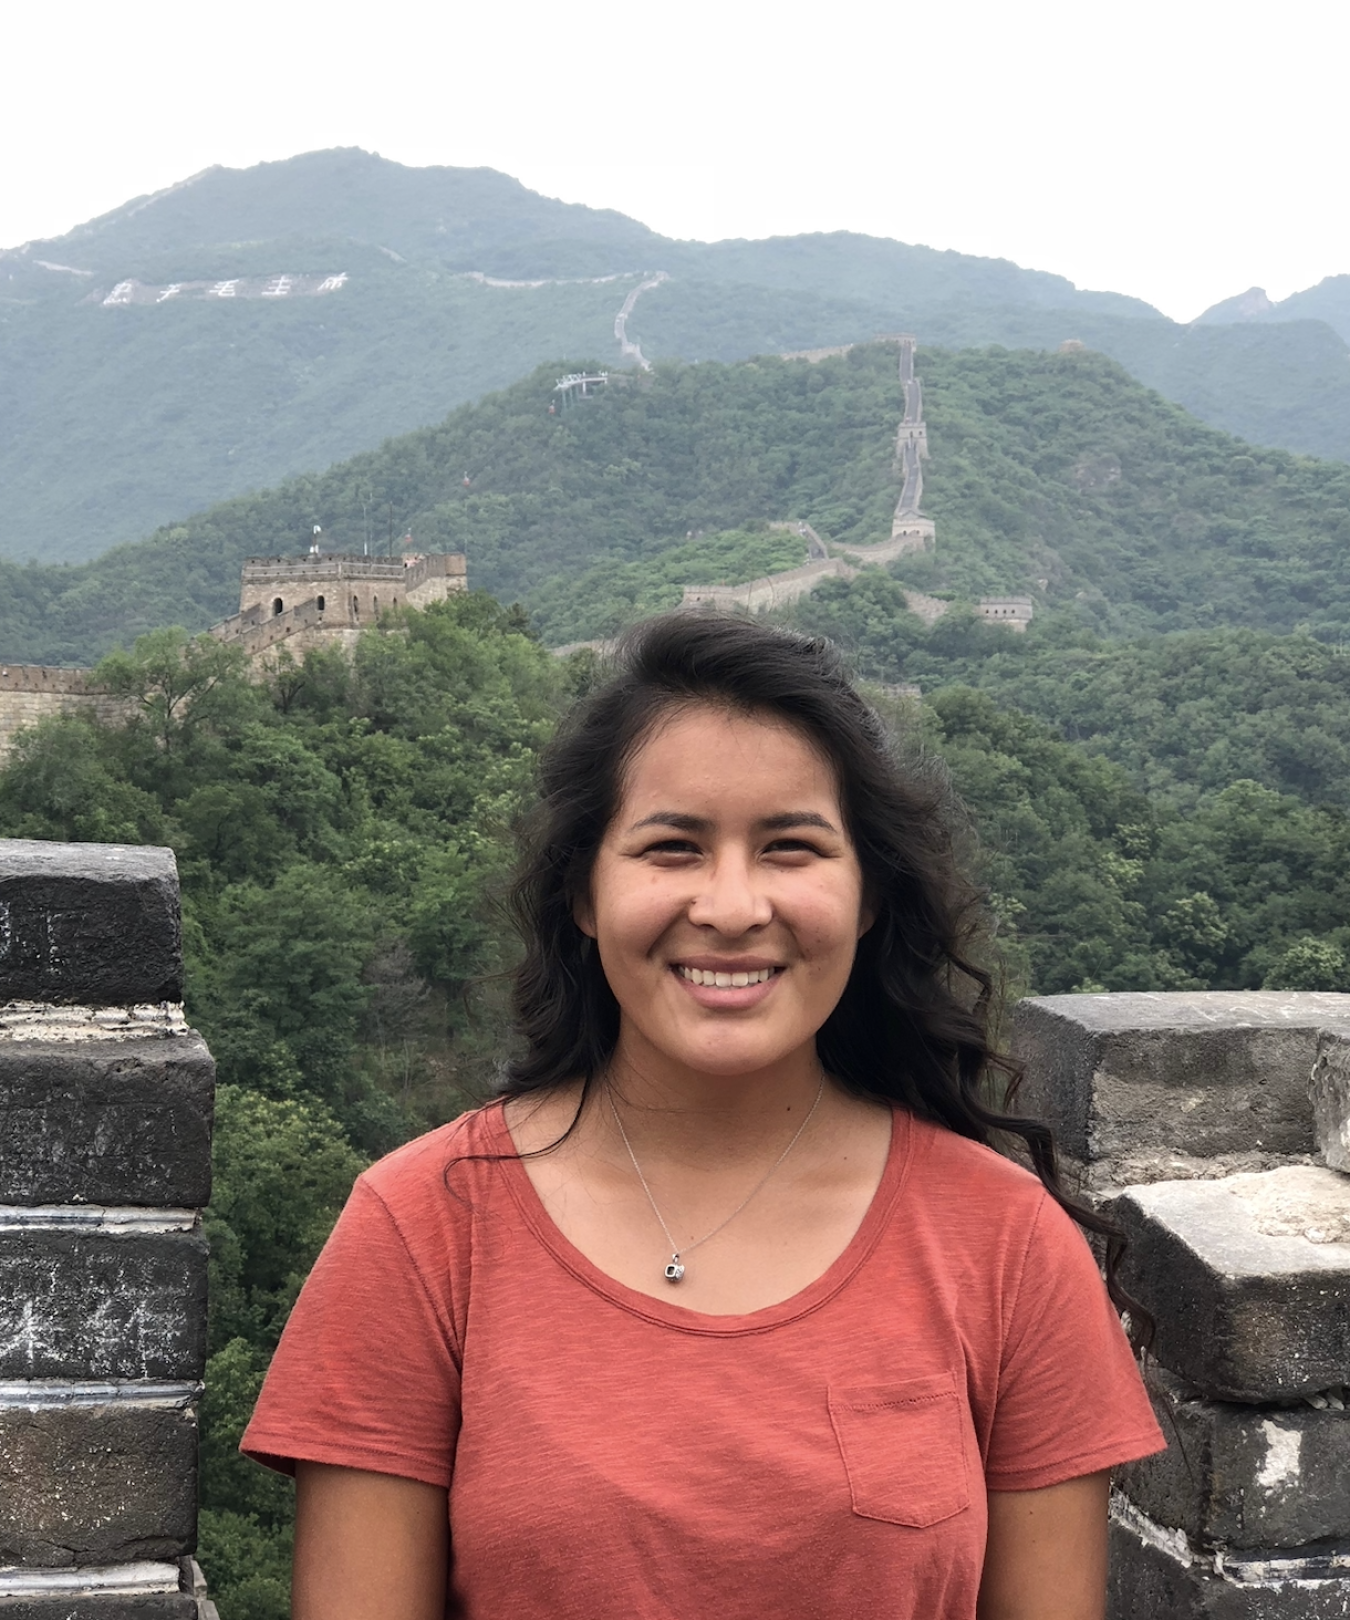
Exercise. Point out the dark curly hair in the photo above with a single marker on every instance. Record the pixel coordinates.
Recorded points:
(913, 1024)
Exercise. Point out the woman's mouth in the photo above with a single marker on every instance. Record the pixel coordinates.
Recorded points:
(726, 980)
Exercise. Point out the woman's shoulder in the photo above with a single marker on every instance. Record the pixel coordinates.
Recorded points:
(953, 1176)
(420, 1170)
(982, 1212)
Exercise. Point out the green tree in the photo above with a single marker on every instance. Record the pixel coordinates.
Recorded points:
(177, 680)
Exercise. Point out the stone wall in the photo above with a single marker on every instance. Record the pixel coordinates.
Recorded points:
(1016, 612)
(105, 1163)
(30, 693)
(1209, 1124)
(773, 590)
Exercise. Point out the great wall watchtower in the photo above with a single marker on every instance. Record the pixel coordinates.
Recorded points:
(325, 601)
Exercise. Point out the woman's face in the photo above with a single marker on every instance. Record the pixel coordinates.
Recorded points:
(726, 899)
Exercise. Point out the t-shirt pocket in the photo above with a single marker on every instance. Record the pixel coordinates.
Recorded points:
(904, 1448)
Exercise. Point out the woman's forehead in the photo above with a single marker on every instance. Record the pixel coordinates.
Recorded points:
(712, 752)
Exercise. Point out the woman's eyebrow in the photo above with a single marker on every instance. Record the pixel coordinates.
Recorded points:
(672, 818)
(797, 818)
(779, 823)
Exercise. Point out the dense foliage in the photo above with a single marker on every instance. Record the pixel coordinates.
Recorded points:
(1165, 813)
(1185, 714)
(1053, 474)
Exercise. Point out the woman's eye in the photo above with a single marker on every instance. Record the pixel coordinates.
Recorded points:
(791, 846)
(672, 846)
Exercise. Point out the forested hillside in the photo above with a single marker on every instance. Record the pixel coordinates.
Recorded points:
(1051, 474)
(179, 350)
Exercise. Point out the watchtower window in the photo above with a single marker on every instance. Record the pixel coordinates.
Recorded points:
(321, 604)
(375, 604)
(356, 607)
(278, 606)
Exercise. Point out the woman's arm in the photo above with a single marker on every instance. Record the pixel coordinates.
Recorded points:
(1046, 1556)
(368, 1546)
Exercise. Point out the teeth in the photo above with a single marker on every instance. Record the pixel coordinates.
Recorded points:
(726, 981)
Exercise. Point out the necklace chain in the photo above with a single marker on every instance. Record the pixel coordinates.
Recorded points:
(674, 1269)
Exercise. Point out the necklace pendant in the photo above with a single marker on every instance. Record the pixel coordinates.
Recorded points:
(674, 1271)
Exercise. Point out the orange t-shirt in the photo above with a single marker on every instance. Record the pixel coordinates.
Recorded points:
(615, 1457)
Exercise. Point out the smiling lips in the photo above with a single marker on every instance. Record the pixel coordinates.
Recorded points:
(726, 981)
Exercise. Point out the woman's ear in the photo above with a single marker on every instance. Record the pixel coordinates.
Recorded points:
(867, 915)
(583, 914)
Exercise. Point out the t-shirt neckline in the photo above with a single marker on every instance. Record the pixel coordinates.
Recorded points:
(669, 1314)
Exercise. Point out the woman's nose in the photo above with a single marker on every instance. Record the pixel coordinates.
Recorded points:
(733, 899)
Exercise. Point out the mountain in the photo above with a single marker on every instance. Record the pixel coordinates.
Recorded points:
(1055, 475)
(246, 326)
(1328, 301)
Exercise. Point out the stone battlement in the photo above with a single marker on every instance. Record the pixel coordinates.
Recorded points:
(414, 570)
(105, 1162)
(1213, 1126)
(30, 693)
(53, 678)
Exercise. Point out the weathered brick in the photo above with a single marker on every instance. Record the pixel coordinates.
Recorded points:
(103, 1606)
(93, 1303)
(1331, 1098)
(97, 1483)
(89, 924)
(125, 1122)
(1147, 1087)
(1154, 1575)
(1244, 1476)
(1248, 1279)
(140, 1589)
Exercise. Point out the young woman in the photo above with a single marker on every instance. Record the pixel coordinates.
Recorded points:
(726, 1309)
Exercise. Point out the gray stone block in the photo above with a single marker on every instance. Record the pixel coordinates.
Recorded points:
(137, 1590)
(1248, 1279)
(1154, 1575)
(1147, 1087)
(89, 924)
(103, 1606)
(1331, 1098)
(114, 1121)
(99, 1303)
(1243, 1476)
(97, 1484)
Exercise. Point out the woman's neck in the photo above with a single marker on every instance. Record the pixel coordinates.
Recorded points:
(673, 1112)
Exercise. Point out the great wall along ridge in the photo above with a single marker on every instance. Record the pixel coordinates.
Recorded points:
(910, 529)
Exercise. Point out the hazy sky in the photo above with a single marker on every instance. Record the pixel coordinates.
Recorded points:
(1180, 151)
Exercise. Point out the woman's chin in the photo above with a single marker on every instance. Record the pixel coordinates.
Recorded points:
(726, 1057)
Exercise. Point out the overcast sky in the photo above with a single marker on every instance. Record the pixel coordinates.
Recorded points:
(1180, 151)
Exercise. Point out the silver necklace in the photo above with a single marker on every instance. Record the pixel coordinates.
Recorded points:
(674, 1267)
